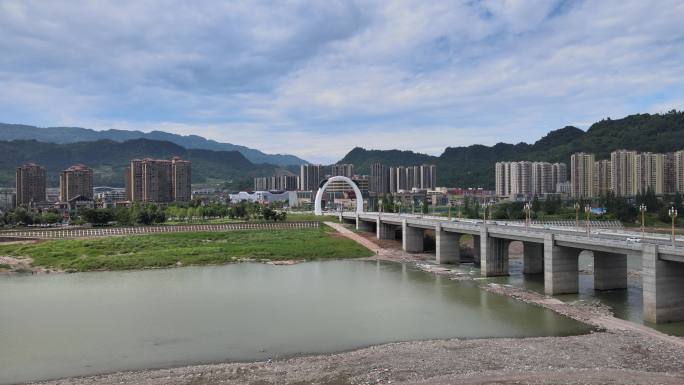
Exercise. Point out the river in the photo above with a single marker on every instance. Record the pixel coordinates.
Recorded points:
(60, 325)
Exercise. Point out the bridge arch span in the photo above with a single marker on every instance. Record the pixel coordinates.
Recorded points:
(318, 210)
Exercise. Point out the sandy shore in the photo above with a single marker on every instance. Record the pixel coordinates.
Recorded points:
(621, 353)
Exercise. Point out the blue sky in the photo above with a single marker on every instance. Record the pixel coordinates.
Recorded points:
(316, 78)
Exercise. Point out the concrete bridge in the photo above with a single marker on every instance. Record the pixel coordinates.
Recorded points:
(552, 251)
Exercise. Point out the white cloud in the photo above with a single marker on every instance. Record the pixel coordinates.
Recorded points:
(316, 79)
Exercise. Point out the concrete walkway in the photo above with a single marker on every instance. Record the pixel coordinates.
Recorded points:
(355, 237)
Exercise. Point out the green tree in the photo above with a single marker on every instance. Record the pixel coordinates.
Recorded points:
(97, 217)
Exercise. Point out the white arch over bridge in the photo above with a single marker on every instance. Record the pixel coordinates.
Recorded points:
(321, 189)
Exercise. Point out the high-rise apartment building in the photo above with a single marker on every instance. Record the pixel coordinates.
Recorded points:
(158, 180)
(393, 179)
(342, 170)
(76, 181)
(582, 175)
(526, 178)
(402, 178)
(602, 177)
(181, 179)
(521, 178)
(559, 173)
(310, 176)
(623, 172)
(30, 184)
(283, 182)
(502, 171)
(669, 171)
(379, 179)
(422, 177)
(679, 170)
(542, 178)
(650, 173)
(428, 176)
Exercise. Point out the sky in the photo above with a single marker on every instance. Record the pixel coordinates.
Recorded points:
(317, 78)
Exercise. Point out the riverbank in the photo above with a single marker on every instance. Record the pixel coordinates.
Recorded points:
(618, 357)
(619, 353)
(180, 249)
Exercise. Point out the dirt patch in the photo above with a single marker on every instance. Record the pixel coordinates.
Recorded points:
(21, 265)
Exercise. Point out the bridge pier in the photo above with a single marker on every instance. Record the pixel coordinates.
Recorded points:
(561, 268)
(447, 246)
(533, 258)
(476, 250)
(493, 255)
(663, 285)
(384, 230)
(362, 225)
(412, 238)
(610, 271)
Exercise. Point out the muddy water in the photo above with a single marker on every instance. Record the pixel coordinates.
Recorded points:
(62, 325)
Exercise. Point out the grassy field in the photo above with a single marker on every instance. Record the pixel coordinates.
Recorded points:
(161, 250)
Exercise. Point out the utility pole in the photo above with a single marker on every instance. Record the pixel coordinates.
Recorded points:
(673, 214)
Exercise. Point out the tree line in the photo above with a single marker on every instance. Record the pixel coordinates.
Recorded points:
(145, 214)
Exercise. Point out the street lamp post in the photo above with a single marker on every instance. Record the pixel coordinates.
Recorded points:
(587, 210)
(399, 204)
(527, 207)
(642, 209)
(491, 207)
(484, 213)
(673, 214)
(577, 207)
(380, 204)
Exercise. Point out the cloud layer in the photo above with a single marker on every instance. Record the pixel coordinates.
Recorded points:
(318, 78)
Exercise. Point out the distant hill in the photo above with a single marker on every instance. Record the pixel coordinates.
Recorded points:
(473, 166)
(109, 158)
(61, 135)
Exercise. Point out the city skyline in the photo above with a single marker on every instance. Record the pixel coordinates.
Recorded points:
(373, 75)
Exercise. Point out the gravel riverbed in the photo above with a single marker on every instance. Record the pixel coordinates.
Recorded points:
(616, 357)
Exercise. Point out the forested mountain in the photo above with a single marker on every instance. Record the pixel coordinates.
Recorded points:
(63, 135)
(109, 158)
(473, 166)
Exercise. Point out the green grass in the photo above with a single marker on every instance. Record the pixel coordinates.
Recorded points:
(199, 248)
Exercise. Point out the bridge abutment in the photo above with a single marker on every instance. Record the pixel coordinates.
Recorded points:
(493, 255)
(610, 271)
(663, 285)
(561, 268)
(533, 258)
(412, 238)
(447, 246)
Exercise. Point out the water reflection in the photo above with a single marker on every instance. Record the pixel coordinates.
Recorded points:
(626, 303)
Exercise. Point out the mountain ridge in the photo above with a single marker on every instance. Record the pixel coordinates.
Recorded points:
(108, 159)
(473, 166)
(63, 135)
